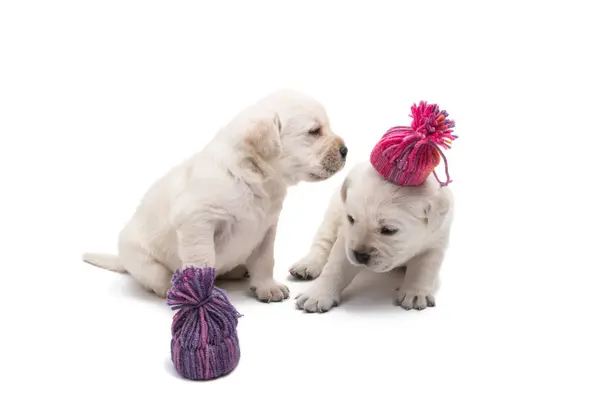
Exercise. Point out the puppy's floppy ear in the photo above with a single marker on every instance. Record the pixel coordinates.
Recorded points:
(437, 208)
(264, 137)
(344, 189)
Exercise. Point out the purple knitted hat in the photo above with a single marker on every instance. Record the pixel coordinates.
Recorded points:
(204, 343)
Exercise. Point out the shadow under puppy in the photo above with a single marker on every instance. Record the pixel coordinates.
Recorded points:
(390, 213)
(220, 208)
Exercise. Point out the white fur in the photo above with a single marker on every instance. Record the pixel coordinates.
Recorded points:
(422, 217)
(220, 207)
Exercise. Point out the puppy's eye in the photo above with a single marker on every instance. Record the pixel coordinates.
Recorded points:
(386, 231)
(350, 219)
(316, 131)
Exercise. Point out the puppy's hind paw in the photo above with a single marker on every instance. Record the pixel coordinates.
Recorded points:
(307, 268)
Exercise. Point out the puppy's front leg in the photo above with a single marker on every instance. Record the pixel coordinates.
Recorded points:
(311, 266)
(418, 288)
(326, 291)
(260, 268)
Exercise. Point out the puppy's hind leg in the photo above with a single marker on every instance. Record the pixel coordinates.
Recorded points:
(148, 272)
(311, 266)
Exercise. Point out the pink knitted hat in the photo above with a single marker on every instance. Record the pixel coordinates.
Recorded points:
(407, 155)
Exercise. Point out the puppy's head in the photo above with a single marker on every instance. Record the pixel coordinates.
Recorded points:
(385, 224)
(297, 137)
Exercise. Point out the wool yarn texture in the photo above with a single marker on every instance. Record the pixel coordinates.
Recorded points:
(407, 155)
(204, 340)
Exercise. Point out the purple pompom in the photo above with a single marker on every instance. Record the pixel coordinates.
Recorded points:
(204, 342)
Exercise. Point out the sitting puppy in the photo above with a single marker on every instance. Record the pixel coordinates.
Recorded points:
(220, 207)
(377, 225)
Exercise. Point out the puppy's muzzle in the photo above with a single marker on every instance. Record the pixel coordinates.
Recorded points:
(335, 158)
(362, 257)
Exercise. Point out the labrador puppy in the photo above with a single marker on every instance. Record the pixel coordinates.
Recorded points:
(373, 224)
(220, 207)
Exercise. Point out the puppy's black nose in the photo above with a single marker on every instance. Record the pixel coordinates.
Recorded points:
(344, 151)
(361, 257)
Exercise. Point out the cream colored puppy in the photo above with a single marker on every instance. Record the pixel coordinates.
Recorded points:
(376, 225)
(220, 207)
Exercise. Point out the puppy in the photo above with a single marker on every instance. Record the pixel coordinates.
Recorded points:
(221, 206)
(376, 225)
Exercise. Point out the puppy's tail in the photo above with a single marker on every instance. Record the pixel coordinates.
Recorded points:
(106, 261)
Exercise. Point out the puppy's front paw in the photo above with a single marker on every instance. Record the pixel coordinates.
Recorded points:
(270, 291)
(307, 268)
(317, 299)
(414, 299)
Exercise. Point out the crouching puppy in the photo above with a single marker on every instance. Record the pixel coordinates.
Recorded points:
(220, 208)
(373, 224)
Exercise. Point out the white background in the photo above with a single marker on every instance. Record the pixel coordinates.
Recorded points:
(98, 99)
